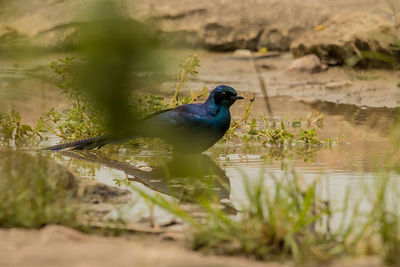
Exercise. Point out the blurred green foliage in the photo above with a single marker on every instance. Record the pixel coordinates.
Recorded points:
(35, 192)
(114, 51)
(114, 47)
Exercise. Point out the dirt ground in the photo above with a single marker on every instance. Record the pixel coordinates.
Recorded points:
(61, 246)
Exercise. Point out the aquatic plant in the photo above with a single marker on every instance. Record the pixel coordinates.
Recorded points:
(188, 68)
(13, 131)
(280, 139)
(82, 119)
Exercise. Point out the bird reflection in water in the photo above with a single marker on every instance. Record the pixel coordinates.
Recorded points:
(184, 177)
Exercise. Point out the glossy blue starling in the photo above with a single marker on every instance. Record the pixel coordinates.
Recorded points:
(190, 128)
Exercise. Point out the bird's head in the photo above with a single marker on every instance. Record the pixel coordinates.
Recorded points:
(224, 96)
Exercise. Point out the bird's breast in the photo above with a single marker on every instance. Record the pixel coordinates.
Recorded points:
(221, 121)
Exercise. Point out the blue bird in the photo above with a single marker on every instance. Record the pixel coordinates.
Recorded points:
(190, 128)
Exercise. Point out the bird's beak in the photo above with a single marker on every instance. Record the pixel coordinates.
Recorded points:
(239, 97)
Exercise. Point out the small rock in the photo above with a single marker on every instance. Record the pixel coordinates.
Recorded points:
(337, 85)
(146, 168)
(96, 193)
(241, 53)
(247, 54)
(306, 64)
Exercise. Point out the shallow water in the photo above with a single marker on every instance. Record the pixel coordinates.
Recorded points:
(365, 144)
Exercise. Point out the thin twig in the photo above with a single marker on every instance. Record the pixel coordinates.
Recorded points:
(396, 17)
(131, 227)
(356, 50)
(262, 85)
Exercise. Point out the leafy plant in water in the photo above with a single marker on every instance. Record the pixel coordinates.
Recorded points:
(296, 137)
(13, 130)
(188, 67)
(81, 119)
(308, 137)
(279, 136)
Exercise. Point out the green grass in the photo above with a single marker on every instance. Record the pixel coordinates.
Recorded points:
(35, 192)
(275, 222)
(284, 219)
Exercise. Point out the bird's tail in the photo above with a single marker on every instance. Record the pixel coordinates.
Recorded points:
(87, 143)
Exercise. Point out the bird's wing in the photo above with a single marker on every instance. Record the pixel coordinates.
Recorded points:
(156, 113)
(190, 128)
(190, 117)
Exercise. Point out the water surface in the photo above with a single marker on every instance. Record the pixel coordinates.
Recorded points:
(364, 147)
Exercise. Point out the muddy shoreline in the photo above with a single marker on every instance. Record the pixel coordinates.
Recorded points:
(57, 244)
(375, 88)
(360, 104)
